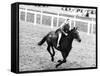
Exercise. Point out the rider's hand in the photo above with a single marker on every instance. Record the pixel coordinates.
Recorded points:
(58, 45)
(66, 34)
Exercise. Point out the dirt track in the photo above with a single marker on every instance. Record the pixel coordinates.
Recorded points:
(34, 57)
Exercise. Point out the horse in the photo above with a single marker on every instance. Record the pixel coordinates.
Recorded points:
(65, 43)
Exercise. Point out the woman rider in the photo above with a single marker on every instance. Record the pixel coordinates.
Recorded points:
(63, 29)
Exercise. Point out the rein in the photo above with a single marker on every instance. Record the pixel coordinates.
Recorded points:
(69, 33)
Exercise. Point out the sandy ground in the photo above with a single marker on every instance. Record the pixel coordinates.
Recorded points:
(34, 57)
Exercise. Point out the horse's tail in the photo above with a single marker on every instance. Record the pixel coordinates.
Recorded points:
(43, 40)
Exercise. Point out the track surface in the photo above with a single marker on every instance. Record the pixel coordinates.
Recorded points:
(34, 57)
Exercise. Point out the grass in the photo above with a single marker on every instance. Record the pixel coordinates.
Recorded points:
(34, 57)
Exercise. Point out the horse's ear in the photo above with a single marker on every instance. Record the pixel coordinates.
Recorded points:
(77, 28)
(74, 28)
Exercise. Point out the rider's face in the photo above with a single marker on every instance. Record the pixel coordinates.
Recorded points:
(67, 21)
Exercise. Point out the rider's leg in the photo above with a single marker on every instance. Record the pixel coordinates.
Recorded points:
(59, 37)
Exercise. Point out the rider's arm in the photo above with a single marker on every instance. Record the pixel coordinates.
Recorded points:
(63, 24)
(64, 32)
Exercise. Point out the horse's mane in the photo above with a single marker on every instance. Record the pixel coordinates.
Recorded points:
(70, 32)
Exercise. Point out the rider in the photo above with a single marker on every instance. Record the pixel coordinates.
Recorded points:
(64, 29)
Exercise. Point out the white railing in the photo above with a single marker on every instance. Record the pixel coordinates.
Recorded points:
(52, 18)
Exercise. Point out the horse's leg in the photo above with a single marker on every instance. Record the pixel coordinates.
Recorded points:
(64, 57)
(53, 53)
(48, 48)
(64, 54)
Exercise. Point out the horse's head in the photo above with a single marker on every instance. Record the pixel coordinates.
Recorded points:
(75, 34)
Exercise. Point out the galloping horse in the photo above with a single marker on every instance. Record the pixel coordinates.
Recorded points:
(65, 43)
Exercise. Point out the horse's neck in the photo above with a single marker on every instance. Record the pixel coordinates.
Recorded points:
(70, 39)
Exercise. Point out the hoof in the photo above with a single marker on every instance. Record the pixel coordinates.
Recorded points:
(59, 61)
(57, 66)
(52, 59)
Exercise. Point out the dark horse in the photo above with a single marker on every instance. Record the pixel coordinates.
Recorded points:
(65, 43)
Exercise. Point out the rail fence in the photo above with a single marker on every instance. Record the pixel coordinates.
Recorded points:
(42, 17)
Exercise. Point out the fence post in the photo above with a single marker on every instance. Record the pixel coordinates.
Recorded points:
(70, 24)
(74, 21)
(52, 21)
(41, 17)
(92, 26)
(25, 15)
(88, 29)
(34, 18)
(58, 20)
